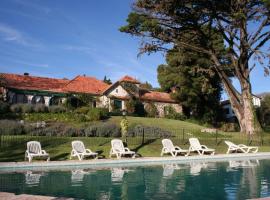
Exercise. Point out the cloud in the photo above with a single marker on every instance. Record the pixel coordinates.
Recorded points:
(38, 65)
(10, 34)
(33, 6)
(82, 49)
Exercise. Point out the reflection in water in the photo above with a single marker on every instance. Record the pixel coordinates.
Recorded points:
(196, 167)
(168, 169)
(117, 174)
(241, 179)
(243, 163)
(77, 176)
(33, 178)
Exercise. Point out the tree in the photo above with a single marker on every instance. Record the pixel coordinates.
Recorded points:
(107, 80)
(198, 92)
(146, 86)
(264, 111)
(243, 24)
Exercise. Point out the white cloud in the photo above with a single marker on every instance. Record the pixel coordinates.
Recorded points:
(8, 33)
(33, 6)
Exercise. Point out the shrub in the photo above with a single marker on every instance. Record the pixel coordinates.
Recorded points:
(40, 108)
(102, 130)
(170, 113)
(16, 108)
(230, 127)
(26, 108)
(95, 114)
(4, 107)
(151, 110)
(82, 110)
(130, 105)
(11, 127)
(148, 131)
(56, 109)
(108, 130)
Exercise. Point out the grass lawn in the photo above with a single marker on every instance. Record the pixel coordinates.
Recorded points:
(168, 124)
(13, 147)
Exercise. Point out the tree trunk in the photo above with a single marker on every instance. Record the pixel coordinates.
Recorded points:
(249, 119)
(242, 104)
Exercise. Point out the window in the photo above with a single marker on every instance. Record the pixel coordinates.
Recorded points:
(116, 90)
(117, 104)
(19, 98)
(227, 111)
(38, 100)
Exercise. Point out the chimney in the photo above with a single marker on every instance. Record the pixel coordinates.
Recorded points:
(26, 74)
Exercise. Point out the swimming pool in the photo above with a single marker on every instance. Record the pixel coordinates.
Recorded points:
(235, 179)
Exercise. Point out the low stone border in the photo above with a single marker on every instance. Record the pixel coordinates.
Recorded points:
(12, 196)
(43, 165)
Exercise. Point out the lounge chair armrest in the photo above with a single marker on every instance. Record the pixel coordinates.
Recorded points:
(242, 145)
(43, 152)
(177, 148)
(204, 147)
(127, 149)
(88, 151)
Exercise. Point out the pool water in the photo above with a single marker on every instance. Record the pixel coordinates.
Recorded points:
(240, 179)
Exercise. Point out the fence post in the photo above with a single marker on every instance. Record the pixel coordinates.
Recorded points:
(183, 133)
(216, 137)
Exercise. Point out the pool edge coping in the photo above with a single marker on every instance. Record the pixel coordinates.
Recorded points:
(137, 161)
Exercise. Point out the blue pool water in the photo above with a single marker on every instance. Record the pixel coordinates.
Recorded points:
(195, 180)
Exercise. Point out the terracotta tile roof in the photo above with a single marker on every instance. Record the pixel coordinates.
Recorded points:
(26, 82)
(157, 96)
(129, 79)
(85, 84)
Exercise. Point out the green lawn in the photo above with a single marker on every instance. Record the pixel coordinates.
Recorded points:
(13, 147)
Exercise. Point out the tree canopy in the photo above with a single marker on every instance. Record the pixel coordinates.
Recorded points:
(192, 24)
(197, 91)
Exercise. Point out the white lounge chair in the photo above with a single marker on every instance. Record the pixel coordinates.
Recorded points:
(79, 150)
(119, 150)
(168, 147)
(34, 150)
(195, 146)
(240, 148)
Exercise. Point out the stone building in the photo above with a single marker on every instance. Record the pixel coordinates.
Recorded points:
(51, 91)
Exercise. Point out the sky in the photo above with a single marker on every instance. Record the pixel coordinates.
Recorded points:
(66, 38)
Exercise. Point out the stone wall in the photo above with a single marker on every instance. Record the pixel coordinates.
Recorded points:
(160, 107)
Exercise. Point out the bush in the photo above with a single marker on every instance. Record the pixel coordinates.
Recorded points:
(151, 110)
(40, 108)
(82, 110)
(4, 107)
(16, 108)
(95, 114)
(170, 113)
(230, 127)
(148, 131)
(56, 109)
(102, 130)
(26, 108)
(11, 127)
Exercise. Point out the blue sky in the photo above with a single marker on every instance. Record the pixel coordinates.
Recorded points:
(65, 38)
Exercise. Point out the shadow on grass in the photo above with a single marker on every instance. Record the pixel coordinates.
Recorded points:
(12, 153)
(147, 142)
(62, 156)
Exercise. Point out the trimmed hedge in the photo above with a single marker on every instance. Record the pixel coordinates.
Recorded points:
(148, 131)
(11, 127)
